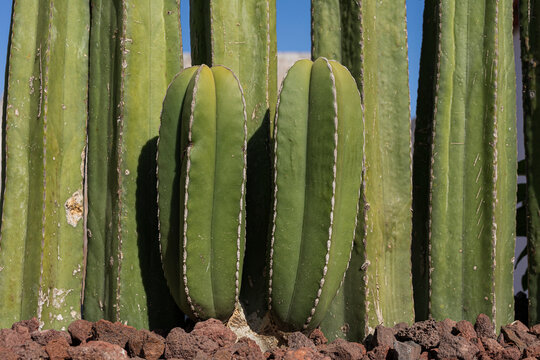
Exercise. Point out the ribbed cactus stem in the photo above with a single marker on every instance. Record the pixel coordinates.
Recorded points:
(201, 185)
(242, 36)
(466, 134)
(530, 56)
(135, 53)
(372, 42)
(42, 236)
(317, 175)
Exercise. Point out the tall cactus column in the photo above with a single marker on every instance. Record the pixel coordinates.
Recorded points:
(242, 36)
(135, 52)
(372, 42)
(469, 122)
(42, 236)
(530, 55)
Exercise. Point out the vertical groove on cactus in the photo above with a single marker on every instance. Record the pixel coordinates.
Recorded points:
(41, 245)
(135, 52)
(241, 35)
(317, 176)
(530, 55)
(202, 174)
(372, 43)
(473, 143)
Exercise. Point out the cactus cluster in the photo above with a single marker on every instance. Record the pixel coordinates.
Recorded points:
(171, 192)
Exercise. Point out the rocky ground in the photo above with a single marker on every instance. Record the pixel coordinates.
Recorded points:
(210, 339)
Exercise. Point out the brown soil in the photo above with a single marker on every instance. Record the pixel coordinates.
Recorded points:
(211, 339)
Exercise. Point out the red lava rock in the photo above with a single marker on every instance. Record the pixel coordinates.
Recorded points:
(6, 354)
(491, 346)
(478, 343)
(446, 326)
(182, 345)
(97, 350)
(383, 336)
(297, 340)
(535, 329)
(424, 356)
(81, 330)
(399, 326)
(304, 353)
(318, 337)
(342, 349)
(245, 348)
(114, 333)
(484, 327)
(518, 334)
(465, 329)
(405, 350)
(533, 351)
(32, 325)
(43, 337)
(57, 348)
(10, 338)
(30, 350)
(146, 344)
(423, 333)
(509, 353)
(378, 353)
(456, 347)
(214, 330)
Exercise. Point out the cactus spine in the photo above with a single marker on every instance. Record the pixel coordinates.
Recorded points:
(242, 36)
(41, 243)
(372, 42)
(530, 55)
(317, 177)
(201, 187)
(466, 140)
(135, 52)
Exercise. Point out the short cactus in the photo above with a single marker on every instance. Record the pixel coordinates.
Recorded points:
(318, 145)
(201, 188)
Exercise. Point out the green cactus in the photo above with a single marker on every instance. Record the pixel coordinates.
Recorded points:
(242, 36)
(42, 234)
(530, 55)
(135, 51)
(370, 38)
(464, 226)
(318, 145)
(201, 188)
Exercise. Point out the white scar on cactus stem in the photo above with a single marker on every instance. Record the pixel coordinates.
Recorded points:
(74, 208)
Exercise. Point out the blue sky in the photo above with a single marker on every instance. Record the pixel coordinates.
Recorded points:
(293, 33)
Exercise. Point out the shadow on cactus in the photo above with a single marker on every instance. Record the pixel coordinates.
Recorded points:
(201, 185)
